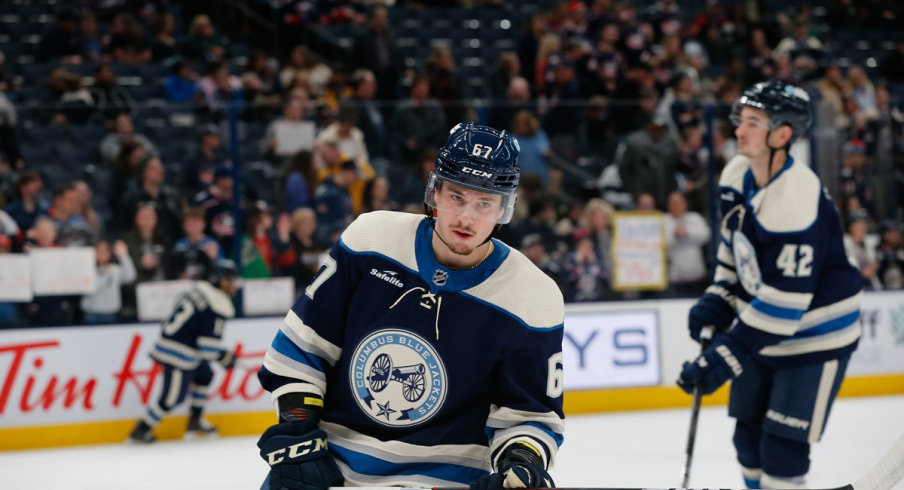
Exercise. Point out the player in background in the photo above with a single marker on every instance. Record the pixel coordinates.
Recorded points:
(191, 338)
(426, 353)
(785, 298)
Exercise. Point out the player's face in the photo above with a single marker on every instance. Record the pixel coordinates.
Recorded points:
(465, 217)
(752, 131)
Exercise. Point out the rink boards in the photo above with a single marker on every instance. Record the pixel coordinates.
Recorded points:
(86, 385)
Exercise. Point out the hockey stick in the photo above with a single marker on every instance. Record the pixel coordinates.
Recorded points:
(706, 334)
(885, 474)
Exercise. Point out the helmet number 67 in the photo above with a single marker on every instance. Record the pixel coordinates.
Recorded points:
(481, 150)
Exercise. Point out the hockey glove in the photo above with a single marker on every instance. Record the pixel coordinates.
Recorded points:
(521, 468)
(712, 310)
(296, 450)
(227, 359)
(723, 360)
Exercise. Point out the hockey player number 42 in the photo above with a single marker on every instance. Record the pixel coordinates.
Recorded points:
(795, 261)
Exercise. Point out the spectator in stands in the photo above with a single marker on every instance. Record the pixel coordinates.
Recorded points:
(303, 61)
(333, 203)
(305, 250)
(585, 278)
(123, 129)
(375, 49)
(852, 122)
(348, 138)
(261, 81)
(597, 132)
(124, 177)
(804, 50)
(549, 49)
(407, 188)
(863, 91)
(161, 42)
(203, 41)
(220, 89)
(86, 210)
(508, 66)
(298, 182)
(832, 88)
(73, 230)
(693, 163)
(289, 134)
(596, 216)
(534, 145)
(376, 196)
(8, 312)
(686, 233)
(647, 162)
(891, 256)
(26, 209)
(10, 229)
(74, 101)
(645, 202)
(517, 99)
(151, 188)
(893, 64)
(680, 107)
(563, 101)
(541, 216)
(759, 58)
(149, 252)
(197, 170)
(109, 98)
(370, 118)
(263, 251)
(182, 83)
(861, 248)
(854, 178)
(92, 43)
(103, 305)
(217, 203)
(419, 122)
(126, 42)
(445, 83)
(62, 42)
(607, 65)
(48, 310)
(533, 248)
(195, 253)
(330, 157)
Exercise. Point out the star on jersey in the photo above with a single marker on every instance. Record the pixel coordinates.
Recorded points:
(384, 410)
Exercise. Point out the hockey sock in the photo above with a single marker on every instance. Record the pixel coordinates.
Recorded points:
(751, 477)
(788, 483)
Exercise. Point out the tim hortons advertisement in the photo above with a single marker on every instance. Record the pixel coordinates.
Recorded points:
(611, 349)
(881, 349)
(82, 374)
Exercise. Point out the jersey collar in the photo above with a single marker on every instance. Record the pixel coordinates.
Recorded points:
(442, 278)
(750, 189)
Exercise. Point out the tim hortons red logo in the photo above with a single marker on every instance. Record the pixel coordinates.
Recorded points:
(28, 387)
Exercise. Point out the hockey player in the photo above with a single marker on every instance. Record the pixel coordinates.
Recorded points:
(785, 297)
(190, 339)
(426, 353)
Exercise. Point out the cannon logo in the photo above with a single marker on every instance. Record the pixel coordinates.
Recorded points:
(398, 378)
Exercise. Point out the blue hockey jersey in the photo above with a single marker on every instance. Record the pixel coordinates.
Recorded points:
(427, 373)
(782, 264)
(194, 330)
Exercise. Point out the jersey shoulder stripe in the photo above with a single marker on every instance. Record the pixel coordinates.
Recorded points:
(797, 188)
(218, 301)
(387, 233)
(733, 173)
(522, 290)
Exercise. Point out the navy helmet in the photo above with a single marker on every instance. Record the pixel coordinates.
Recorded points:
(787, 105)
(222, 268)
(479, 158)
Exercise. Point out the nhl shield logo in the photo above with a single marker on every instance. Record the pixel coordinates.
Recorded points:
(440, 277)
(397, 378)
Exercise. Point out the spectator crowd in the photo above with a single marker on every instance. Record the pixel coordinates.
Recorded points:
(608, 101)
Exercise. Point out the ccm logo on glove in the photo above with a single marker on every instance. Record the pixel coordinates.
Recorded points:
(295, 450)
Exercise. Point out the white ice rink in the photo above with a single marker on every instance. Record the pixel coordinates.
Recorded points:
(634, 449)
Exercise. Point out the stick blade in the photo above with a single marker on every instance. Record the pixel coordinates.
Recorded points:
(887, 472)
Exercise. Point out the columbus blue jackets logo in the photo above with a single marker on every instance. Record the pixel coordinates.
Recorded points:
(746, 263)
(398, 378)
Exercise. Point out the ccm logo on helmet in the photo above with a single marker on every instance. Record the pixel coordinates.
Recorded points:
(477, 173)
